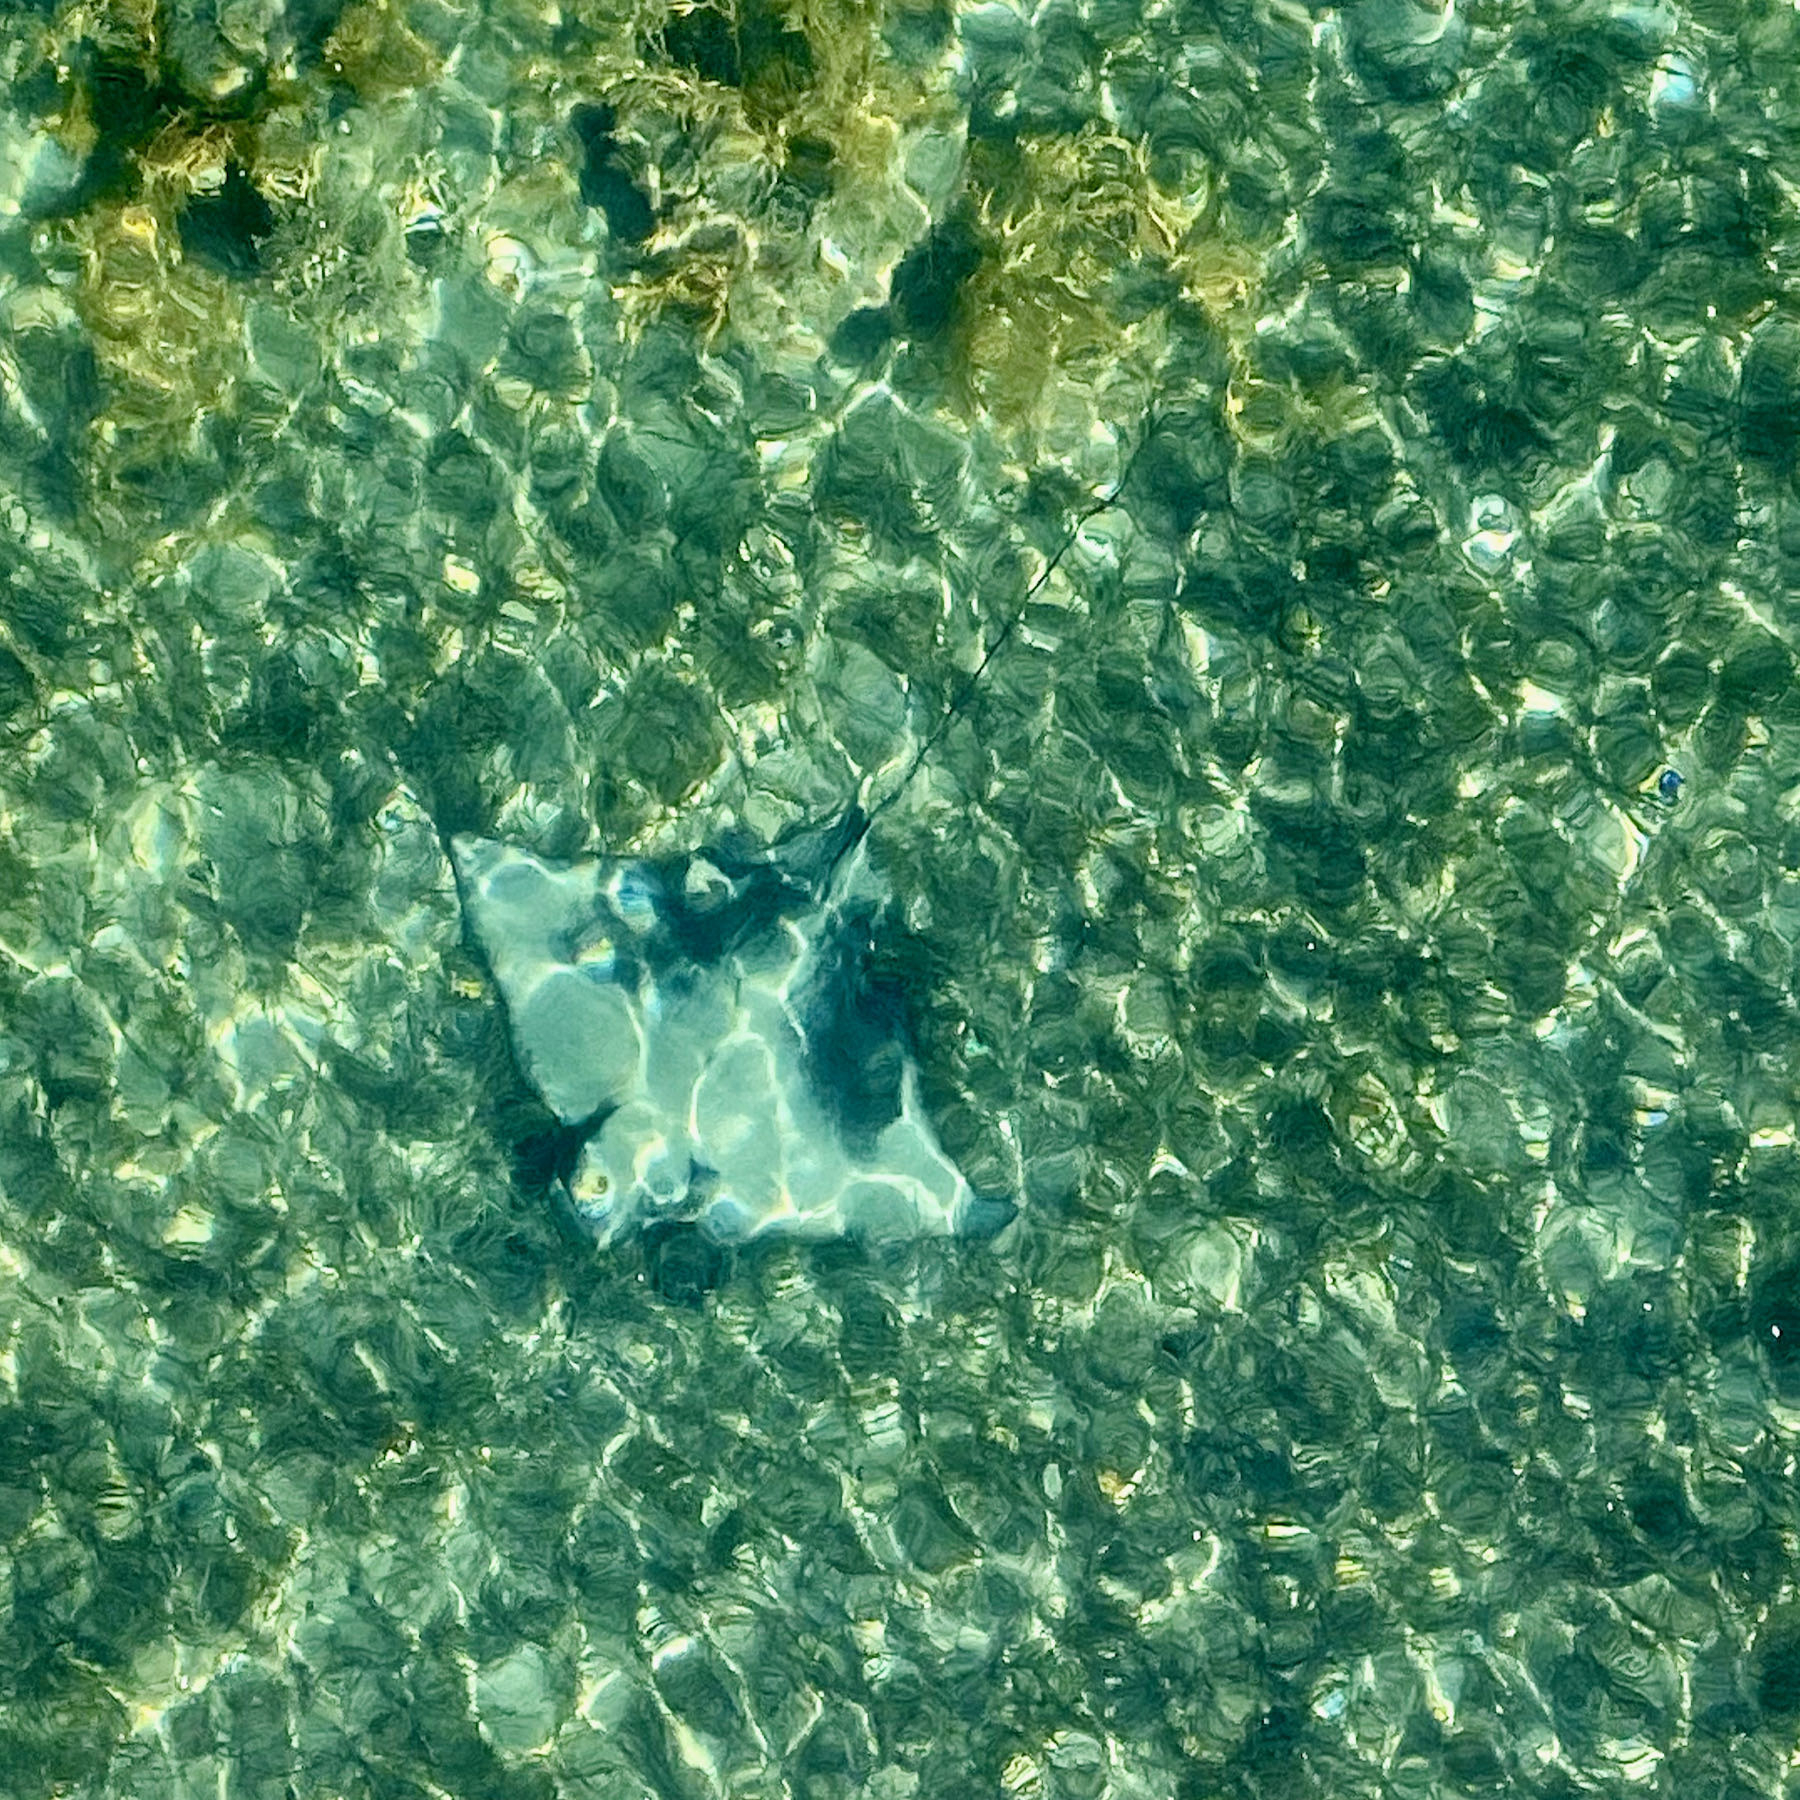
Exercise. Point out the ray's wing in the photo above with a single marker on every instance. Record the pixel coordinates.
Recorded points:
(714, 1029)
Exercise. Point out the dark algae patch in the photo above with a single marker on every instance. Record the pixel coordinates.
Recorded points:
(226, 229)
(606, 181)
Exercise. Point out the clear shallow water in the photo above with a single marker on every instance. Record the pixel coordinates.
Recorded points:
(617, 435)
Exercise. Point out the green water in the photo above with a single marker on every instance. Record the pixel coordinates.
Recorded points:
(1353, 910)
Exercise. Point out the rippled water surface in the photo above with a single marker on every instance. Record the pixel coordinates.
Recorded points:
(1269, 531)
